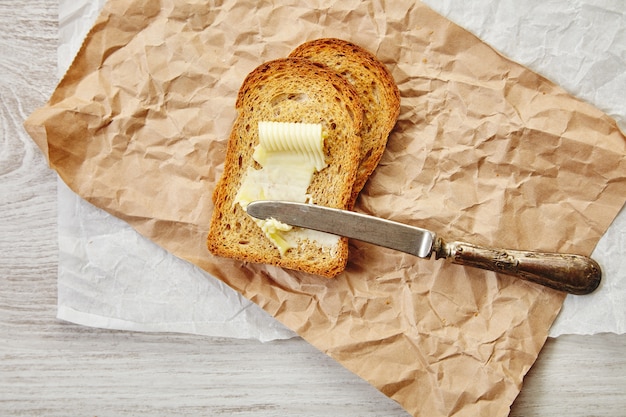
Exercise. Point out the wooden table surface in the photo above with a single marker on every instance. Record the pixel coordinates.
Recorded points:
(50, 368)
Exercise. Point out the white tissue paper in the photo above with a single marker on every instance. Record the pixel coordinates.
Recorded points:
(111, 277)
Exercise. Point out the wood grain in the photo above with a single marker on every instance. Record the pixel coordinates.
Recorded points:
(51, 368)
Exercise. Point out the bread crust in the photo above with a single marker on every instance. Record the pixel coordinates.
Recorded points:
(376, 88)
(289, 90)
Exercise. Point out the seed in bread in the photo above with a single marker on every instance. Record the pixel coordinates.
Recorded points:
(289, 90)
(376, 88)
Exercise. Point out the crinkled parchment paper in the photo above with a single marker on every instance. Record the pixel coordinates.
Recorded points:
(484, 149)
(581, 46)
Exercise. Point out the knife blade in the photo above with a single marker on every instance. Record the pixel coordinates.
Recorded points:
(572, 273)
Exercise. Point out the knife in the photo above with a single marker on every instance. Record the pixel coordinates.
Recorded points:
(575, 274)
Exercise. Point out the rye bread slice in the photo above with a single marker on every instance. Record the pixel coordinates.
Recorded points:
(289, 90)
(377, 91)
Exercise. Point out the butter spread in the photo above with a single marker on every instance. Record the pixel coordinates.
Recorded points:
(289, 154)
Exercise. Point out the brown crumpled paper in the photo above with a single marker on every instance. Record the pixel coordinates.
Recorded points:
(485, 150)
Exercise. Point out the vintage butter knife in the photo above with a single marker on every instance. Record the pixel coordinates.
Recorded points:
(574, 274)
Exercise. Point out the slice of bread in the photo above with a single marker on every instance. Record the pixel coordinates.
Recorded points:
(289, 90)
(377, 91)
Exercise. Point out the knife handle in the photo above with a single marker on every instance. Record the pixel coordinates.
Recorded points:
(574, 274)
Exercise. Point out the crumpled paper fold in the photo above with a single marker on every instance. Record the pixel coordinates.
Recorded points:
(485, 150)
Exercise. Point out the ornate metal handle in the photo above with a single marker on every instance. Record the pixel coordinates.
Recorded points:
(575, 274)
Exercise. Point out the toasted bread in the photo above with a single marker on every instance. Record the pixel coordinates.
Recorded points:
(289, 90)
(377, 91)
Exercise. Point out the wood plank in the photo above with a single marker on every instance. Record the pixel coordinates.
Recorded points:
(52, 368)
